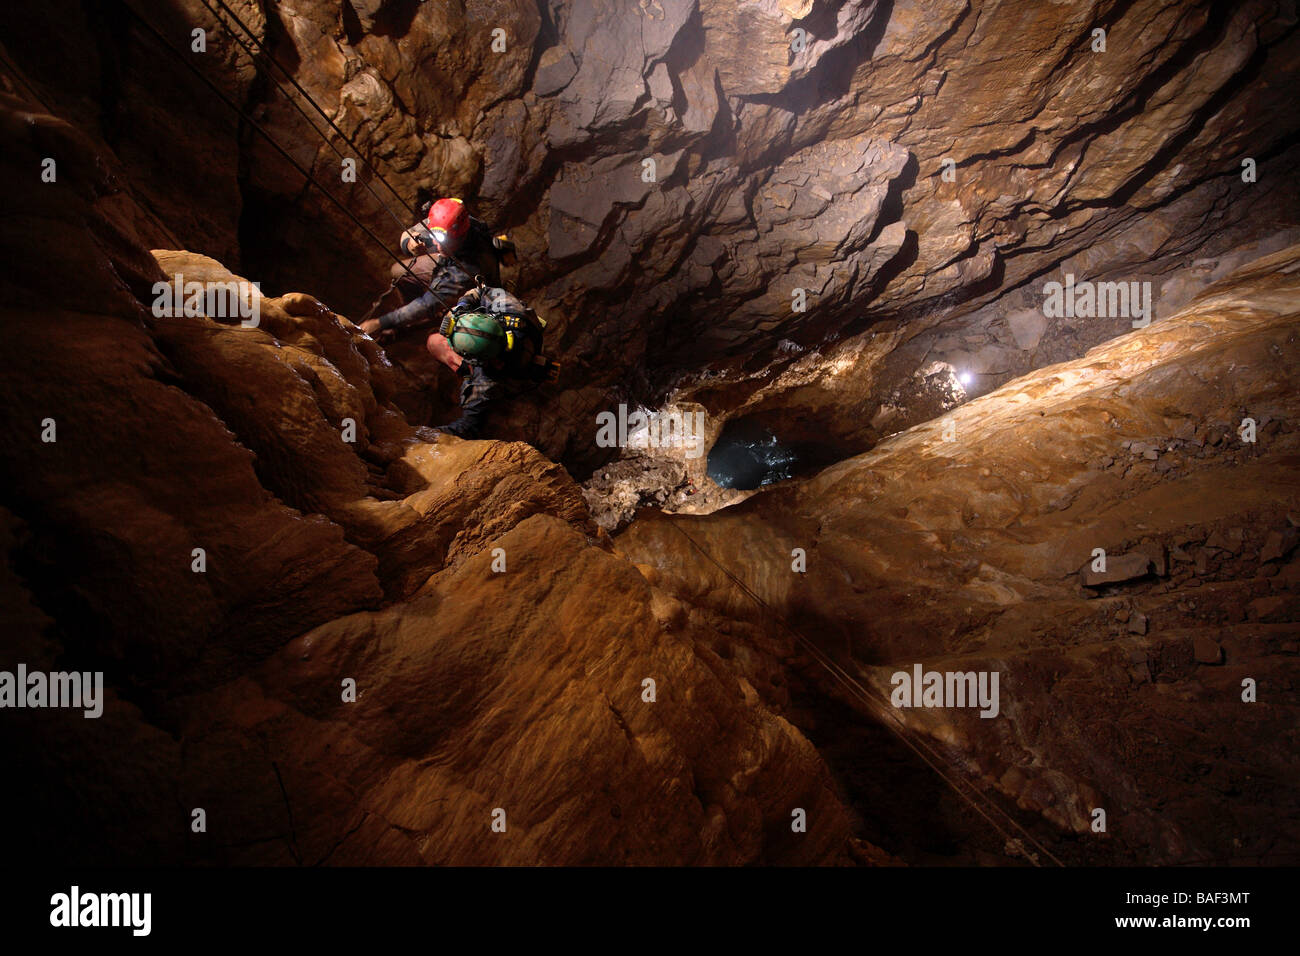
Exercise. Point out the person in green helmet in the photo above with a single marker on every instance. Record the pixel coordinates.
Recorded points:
(491, 339)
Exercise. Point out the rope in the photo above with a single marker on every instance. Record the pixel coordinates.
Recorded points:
(289, 76)
(281, 150)
(266, 54)
(302, 112)
(898, 727)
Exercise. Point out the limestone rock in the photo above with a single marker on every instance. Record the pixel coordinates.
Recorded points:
(1027, 327)
(1278, 545)
(501, 663)
(1058, 172)
(1119, 568)
(896, 573)
(554, 71)
(202, 530)
(1206, 650)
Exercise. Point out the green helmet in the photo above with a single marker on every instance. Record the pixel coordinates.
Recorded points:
(477, 335)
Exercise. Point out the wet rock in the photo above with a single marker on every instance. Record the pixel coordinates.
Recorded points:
(892, 536)
(497, 643)
(773, 170)
(766, 202)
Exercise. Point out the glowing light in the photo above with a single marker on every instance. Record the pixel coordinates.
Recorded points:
(964, 378)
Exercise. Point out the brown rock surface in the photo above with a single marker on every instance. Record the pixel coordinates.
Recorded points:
(1122, 567)
(499, 640)
(951, 554)
(478, 685)
(1206, 650)
(818, 168)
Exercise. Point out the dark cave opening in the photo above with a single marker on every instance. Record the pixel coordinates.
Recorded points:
(396, 634)
(751, 454)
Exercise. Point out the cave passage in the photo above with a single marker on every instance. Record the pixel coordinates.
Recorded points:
(749, 454)
(898, 243)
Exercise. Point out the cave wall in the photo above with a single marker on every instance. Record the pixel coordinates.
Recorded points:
(375, 561)
(968, 544)
(496, 646)
(820, 169)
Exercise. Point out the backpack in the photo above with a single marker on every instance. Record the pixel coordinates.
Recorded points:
(478, 336)
(501, 327)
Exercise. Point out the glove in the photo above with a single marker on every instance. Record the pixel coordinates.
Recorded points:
(417, 241)
(468, 302)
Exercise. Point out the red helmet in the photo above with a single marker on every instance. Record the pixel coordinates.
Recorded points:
(449, 223)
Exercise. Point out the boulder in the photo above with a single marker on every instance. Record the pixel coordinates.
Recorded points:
(1119, 568)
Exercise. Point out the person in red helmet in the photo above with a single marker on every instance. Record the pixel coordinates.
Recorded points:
(448, 249)
(447, 225)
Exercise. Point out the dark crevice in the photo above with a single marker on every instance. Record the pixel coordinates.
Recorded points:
(394, 18)
(351, 23)
(1161, 160)
(1211, 34)
(832, 77)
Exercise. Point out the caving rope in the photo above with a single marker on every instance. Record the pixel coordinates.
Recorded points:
(881, 708)
(836, 672)
(306, 173)
(266, 55)
(308, 97)
(859, 691)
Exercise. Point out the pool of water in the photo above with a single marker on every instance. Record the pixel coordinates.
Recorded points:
(747, 455)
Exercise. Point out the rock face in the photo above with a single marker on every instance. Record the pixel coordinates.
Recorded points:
(962, 555)
(346, 639)
(1122, 567)
(378, 650)
(683, 176)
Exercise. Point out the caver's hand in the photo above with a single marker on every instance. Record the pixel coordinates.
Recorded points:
(414, 244)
